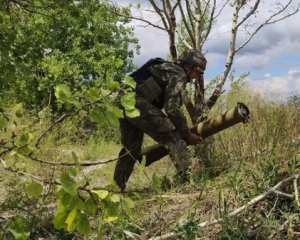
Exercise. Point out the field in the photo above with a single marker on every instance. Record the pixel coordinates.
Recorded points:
(228, 170)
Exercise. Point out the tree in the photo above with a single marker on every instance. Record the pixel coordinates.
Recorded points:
(77, 43)
(191, 21)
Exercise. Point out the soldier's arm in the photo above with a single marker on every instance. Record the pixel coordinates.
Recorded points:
(176, 78)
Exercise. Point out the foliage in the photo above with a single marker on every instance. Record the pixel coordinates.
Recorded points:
(69, 58)
(18, 229)
(78, 44)
(74, 210)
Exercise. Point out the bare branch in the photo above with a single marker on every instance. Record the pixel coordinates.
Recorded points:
(269, 21)
(26, 174)
(60, 119)
(83, 164)
(166, 11)
(231, 52)
(187, 26)
(182, 38)
(8, 149)
(238, 210)
(250, 13)
(134, 236)
(190, 13)
(118, 13)
(64, 116)
(210, 22)
(282, 194)
(159, 12)
(221, 9)
(295, 185)
(175, 6)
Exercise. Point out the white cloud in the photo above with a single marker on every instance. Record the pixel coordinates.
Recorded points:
(212, 60)
(154, 43)
(274, 41)
(268, 75)
(255, 61)
(277, 87)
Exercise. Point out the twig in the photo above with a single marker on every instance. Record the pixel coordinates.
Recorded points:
(238, 210)
(296, 191)
(282, 194)
(134, 236)
(84, 164)
(12, 170)
(65, 115)
(278, 230)
(7, 150)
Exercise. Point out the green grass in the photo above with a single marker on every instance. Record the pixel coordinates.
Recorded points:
(230, 169)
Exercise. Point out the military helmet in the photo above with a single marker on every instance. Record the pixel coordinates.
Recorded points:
(193, 58)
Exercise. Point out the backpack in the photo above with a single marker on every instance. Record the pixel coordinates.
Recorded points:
(150, 87)
(142, 74)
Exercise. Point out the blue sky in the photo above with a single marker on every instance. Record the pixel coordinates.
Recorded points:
(272, 57)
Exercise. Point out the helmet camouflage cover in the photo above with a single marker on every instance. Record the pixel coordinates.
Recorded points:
(193, 58)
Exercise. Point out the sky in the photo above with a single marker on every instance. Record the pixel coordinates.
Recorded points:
(272, 58)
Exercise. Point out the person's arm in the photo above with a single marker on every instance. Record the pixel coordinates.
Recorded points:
(176, 78)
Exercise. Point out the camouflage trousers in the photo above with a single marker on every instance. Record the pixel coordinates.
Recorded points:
(157, 125)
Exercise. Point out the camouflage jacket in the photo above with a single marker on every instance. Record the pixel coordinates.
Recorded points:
(174, 79)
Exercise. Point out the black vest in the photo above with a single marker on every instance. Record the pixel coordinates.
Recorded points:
(143, 73)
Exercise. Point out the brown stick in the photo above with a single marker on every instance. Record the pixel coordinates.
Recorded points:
(233, 213)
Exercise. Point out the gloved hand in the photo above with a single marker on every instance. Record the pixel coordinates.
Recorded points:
(193, 139)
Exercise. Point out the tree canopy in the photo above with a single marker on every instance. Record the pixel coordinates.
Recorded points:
(46, 43)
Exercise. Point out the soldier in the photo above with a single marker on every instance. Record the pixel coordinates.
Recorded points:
(159, 86)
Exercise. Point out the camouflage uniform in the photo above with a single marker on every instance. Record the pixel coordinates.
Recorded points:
(167, 129)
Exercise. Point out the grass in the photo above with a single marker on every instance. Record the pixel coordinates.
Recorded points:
(229, 169)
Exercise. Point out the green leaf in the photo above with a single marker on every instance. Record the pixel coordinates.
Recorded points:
(130, 81)
(24, 139)
(60, 218)
(94, 94)
(68, 184)
(111, 119)
(74, 102)
(102, 194)
(70, 221)
(34, 189)
(116, 111)
(19, 113)
(115, 198)
(133, 113)
(72, 171)
(83, 225)
(18, 229)
(111, 218)
(128, 205)
(62, 93)
(97, 116)
(128, 101)
(90, 207)
(129, 202)
(63, 200)
(3, 122)
(113, 85)
(105, 92)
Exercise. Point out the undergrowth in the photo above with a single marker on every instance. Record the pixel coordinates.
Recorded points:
(228, 170)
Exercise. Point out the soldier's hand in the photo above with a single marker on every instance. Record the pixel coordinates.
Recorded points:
(194, 139)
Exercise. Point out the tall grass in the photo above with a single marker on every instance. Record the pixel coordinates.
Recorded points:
(231, 168)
